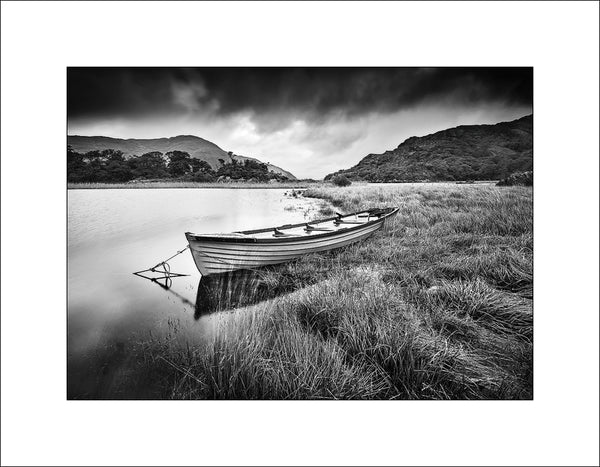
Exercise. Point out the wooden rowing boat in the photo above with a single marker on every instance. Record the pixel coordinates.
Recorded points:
(251, 249)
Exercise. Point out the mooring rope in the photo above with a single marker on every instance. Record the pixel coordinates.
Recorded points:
(165, 262)
(166, 268)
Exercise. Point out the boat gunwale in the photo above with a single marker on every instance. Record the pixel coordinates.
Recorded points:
(224, 239)
(259, 249)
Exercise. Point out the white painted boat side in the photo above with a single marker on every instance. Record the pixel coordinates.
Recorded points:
(211, 263)
(283, 256)
(262, 249)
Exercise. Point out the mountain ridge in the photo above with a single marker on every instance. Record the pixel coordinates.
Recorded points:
(465, 152)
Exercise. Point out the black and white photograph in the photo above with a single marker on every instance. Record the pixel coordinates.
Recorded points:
(300, 233)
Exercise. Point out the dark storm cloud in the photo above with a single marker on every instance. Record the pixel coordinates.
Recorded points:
(316, 92)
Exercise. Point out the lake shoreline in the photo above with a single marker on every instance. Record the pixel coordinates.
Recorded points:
(163, 185)
(437, 306)
(262, 186)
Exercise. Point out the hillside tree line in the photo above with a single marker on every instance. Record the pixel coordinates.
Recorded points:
(110, 166)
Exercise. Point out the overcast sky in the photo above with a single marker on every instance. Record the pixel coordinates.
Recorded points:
(310, 121)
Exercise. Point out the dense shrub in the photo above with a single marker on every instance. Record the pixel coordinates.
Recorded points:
(340, 180)
(520, 178)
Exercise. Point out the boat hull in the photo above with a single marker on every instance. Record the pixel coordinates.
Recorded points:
(217, 255)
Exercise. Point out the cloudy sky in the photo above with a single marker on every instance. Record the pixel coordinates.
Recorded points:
(310, 121)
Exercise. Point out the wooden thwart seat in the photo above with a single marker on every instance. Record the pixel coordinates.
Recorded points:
(340, 221)
(279, 233)
(310, 228)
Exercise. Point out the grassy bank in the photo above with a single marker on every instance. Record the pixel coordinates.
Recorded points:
(438, 306)
(176, 184)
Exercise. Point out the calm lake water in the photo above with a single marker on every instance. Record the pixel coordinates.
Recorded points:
(113, 233)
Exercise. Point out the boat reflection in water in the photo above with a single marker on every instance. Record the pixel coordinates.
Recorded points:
(228, 291)
(236, 289)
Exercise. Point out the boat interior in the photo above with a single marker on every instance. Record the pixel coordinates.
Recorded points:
(333, 224)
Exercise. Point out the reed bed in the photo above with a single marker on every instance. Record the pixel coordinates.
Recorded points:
(437, 306)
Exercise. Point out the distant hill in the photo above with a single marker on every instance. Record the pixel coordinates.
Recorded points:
(196, 147)
(468, 152)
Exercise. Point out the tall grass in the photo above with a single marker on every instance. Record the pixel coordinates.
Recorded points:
(437, 306)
